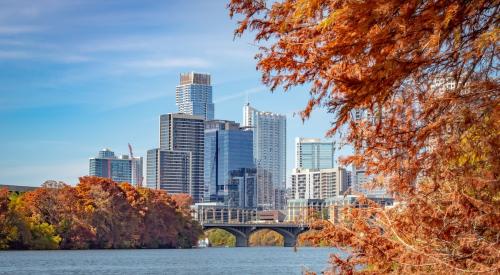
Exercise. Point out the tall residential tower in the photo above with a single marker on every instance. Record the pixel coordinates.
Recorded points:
(193, 95)
(269, 151)
(178, 165)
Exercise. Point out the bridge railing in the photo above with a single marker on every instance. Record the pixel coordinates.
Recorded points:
(253, 223)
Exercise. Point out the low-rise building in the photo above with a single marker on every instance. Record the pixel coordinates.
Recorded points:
(218, 212)
(306, 210)
(270, 216)
(319, 183)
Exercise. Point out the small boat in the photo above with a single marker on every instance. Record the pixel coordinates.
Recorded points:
(203, 243)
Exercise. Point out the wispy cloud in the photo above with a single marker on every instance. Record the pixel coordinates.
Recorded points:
(242, 94)
(5, 30)
(14, 55)
(167, 63)
(51, 57)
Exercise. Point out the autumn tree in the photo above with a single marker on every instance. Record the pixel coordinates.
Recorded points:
(426, 75)
(97, 213)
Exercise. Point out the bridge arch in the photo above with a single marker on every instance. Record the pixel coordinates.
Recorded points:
(241, 237)
(243, 231)
(283, 233)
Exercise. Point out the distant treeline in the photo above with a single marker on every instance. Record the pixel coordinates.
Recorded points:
(97, 213)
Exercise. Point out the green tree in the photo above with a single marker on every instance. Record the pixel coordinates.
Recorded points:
(220, 237)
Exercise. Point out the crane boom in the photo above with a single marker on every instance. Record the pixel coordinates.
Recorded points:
(130, 150)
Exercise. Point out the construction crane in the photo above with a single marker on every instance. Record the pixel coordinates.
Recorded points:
(130, 150)
(134, 168)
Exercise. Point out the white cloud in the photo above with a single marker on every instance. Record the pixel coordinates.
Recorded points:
(6, 30)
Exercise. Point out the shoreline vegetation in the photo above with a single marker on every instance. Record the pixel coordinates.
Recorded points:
(97, 213)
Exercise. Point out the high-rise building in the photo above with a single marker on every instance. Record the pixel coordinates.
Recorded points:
(312, 153)
(169, 170)
(193, 95)
(137, 171)
(269, 150)
(182, 141)
(228, 148)
(241, 190)
(319, 183)
(359, 176)
(120, 169)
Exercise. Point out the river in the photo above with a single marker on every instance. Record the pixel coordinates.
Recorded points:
(240, 260)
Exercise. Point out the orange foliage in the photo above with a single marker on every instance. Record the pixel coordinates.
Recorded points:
(98, 213)
(426, 74)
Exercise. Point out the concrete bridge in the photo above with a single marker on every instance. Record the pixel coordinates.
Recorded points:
(242, 231)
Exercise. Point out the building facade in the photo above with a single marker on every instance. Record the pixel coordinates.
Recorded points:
(182, 141)
(359, 174)
(269, 150)
(312, 153)
(120, 169)
(193, 95)
(241, 190)
(169, 170)
(228, 152)
(319, 183)
(306, 210)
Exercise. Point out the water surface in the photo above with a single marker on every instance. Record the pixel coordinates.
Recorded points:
(240, 260)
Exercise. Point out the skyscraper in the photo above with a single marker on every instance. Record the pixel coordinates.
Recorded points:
(169, 170)
(228, 162)
(120, 169)
(181, 151)
(193, 95)
(241, 190)
(269, 149)
(312, 153)
(359, 176)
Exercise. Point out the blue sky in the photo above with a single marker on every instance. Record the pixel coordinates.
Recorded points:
(80, 75)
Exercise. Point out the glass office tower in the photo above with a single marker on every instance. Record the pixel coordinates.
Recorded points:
(228, 148)
(120, 169)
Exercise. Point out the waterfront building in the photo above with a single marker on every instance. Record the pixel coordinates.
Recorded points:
(193, 95)
(169, 170)
(182, 140)
(305, 210)
(229, 163)
(241, 190)
(319, 183)
(120, 169)
(271, 216)
(313, 153)
(269, 151)
(218, 212)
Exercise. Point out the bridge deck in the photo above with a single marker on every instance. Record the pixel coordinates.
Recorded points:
(279, 225)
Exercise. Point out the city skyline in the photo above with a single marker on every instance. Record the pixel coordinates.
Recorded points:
(84, 91)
